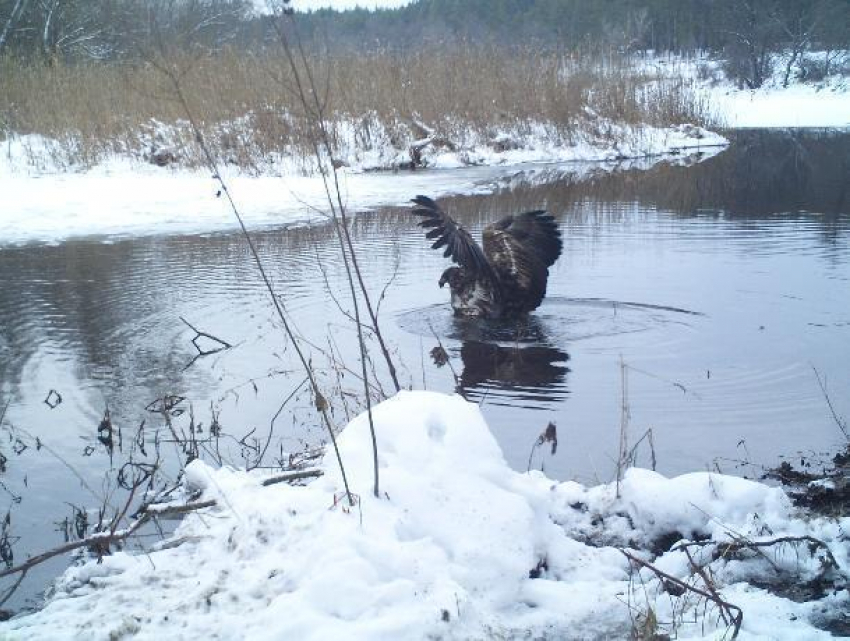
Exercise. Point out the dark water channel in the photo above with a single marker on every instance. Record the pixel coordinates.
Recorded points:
(719, 285)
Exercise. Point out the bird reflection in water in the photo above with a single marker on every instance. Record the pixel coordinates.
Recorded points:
(523, 370)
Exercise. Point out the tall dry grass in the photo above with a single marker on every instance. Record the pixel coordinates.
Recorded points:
(248, 109)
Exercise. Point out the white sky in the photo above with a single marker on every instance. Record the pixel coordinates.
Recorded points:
(306, 5)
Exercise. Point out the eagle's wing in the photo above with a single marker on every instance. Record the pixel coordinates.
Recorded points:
(521, 248)
(446, 232)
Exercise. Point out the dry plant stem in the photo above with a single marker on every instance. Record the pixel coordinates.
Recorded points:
(737, 619)
(322, 124)
(341, 227)
(262, 454)
(842, 424)
(708, 584)
(214, 168)
(624, 423)
(340, 224)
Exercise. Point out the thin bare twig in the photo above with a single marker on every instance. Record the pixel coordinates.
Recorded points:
(841, 423)
(262, 453)
(708, 584)
(338, 215)
(741, 543)
(321, 404)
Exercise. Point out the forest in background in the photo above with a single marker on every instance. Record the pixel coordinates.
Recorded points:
(748, 33)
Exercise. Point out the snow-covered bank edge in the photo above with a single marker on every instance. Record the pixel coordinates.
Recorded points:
(128, 197)
(458, 547)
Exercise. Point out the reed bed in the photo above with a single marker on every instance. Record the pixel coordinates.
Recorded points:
(247, 107)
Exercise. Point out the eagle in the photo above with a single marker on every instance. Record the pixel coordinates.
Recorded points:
(507, 277)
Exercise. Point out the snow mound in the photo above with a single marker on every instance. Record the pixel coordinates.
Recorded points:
(458, 546)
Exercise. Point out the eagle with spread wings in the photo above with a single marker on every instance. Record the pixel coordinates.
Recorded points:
(504, 278)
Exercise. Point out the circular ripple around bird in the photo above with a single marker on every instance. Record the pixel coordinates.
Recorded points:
(557, 321)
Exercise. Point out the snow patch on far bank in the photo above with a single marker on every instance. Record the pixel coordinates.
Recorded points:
(821, 104)
(129, 197)
(799, 105)
(459, 546)
(796, 106)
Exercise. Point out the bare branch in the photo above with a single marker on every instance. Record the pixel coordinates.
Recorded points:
(737, 618)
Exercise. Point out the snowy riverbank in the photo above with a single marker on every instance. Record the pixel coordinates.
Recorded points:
(459, 546)
(46, 203)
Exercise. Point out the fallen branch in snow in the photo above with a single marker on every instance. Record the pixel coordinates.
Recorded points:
(726, 608)
(709, 584)
(102, 540)
(292, 476)
(726, 549)
(105, 538)
(426, 136)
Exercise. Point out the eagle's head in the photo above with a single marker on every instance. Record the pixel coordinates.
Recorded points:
(471, 296)
(455, 276)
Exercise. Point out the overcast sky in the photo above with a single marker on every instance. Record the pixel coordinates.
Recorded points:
(306, 5)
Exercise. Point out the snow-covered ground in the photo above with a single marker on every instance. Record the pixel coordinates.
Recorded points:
(797, 106)
(820, 104)
(823, 104)
(458, 546)
(46, 203)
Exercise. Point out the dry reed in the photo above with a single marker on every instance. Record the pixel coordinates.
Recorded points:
(248, 110)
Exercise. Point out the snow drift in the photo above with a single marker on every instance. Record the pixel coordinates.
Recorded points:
(459, 546)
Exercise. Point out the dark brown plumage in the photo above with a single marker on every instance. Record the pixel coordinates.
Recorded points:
(507, 277)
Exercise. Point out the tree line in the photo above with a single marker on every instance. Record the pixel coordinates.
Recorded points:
(117, 29)
(747, 33)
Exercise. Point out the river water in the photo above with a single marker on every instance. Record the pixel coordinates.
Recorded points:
(697, 301)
